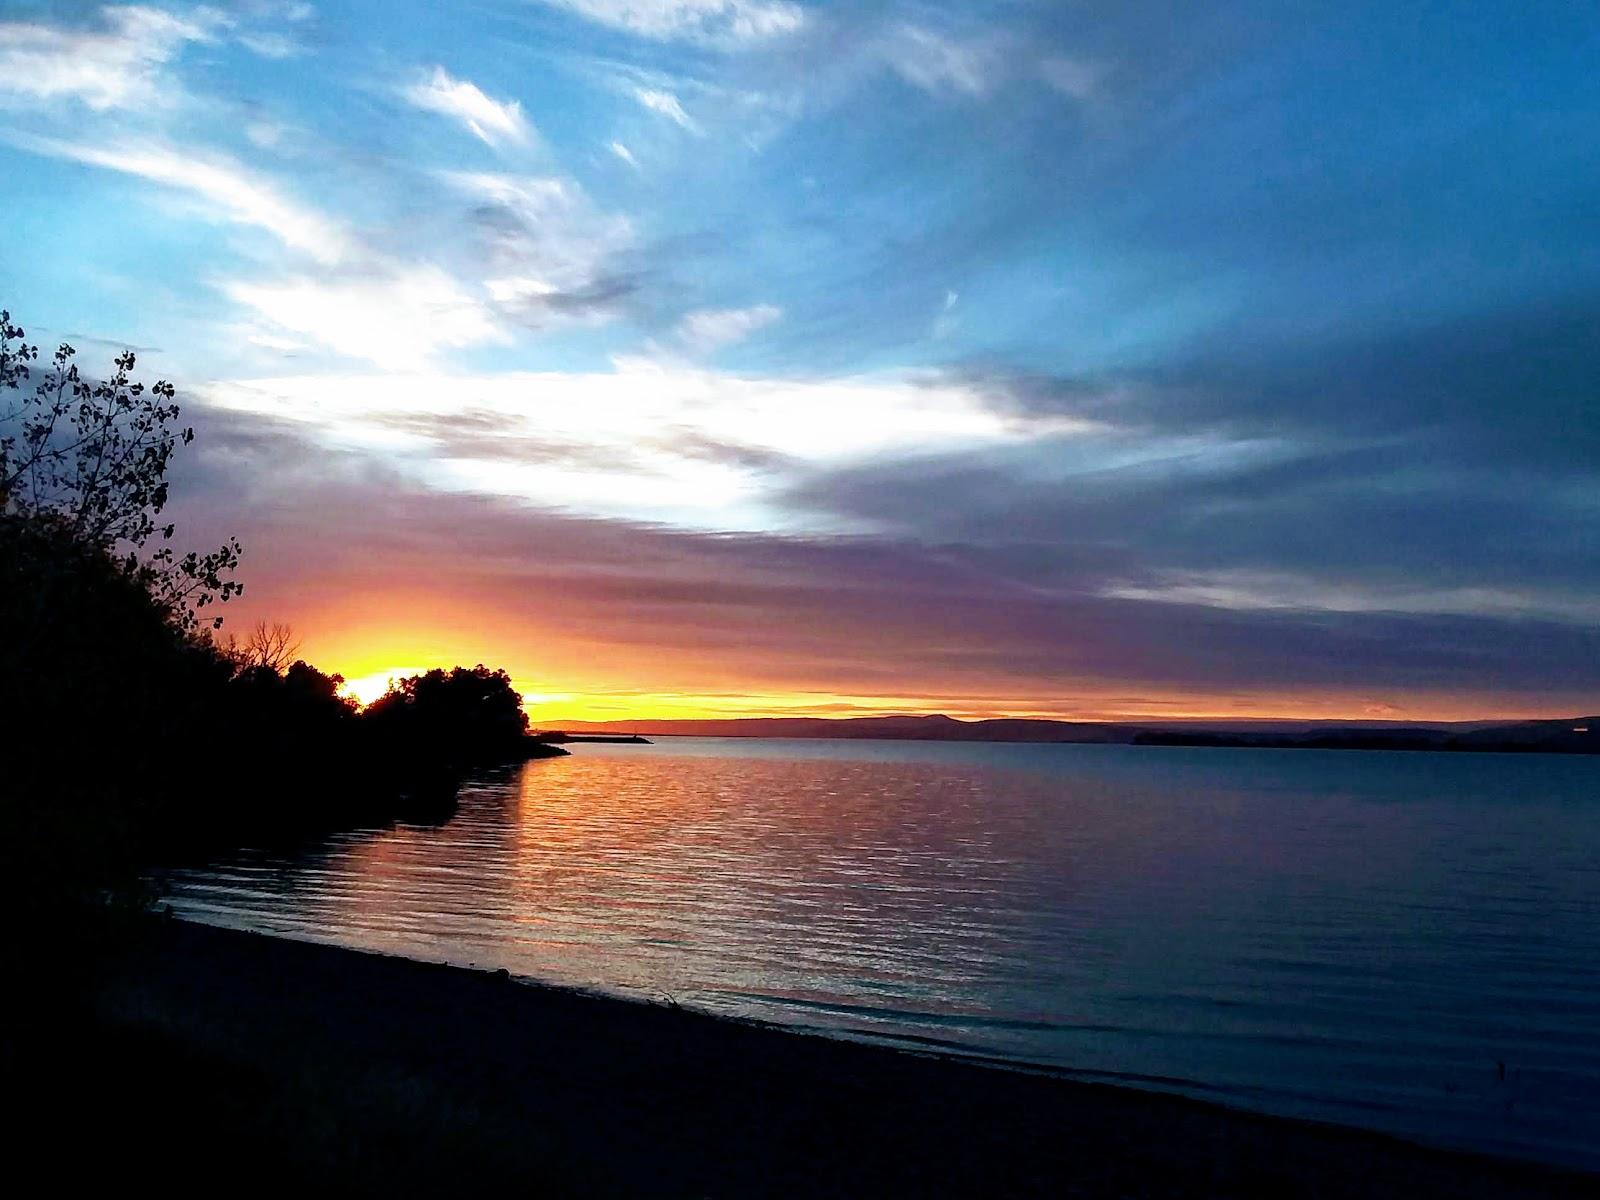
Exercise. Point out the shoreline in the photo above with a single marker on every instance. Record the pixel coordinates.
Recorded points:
(431, 1073)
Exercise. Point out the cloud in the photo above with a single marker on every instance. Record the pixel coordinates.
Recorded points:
(117, 66)
(941, 64)
(642, 434)
(398, 319)
(533, 299)
(1442, 383)
(624, 154)
(1259, 526)
(975, 61)
(491, 121)
(717, 22)
(551, 252)
(1246, 589)
(709, 330)
(271, 45)
(667, 105)
(231, 191)
(270, 28)
(1352, 481)
(287, 347)
(1072, 77)
(585, 605)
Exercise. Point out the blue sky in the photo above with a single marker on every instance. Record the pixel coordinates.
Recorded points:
(1243, 355)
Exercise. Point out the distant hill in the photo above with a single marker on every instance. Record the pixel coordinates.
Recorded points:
(936, 728)
(1575, 735)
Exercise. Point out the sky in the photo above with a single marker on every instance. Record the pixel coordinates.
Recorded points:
(747, 357)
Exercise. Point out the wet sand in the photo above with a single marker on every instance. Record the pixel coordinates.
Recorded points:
(239, 1062)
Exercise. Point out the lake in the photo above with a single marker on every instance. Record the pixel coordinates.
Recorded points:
(1403, 941)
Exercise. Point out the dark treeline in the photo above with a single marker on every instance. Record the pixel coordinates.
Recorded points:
(134, 731)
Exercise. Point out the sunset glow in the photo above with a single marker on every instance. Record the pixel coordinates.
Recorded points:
(364, 689)
(552, 701)
(978, 359)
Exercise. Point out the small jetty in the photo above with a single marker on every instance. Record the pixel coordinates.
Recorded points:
(557, 737)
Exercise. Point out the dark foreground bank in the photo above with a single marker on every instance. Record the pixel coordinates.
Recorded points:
(239, 1062)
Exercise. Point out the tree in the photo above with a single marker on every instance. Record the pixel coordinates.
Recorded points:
(131, 736)
(110, 688)
(272, 647)
(464, 715)
(87, 462)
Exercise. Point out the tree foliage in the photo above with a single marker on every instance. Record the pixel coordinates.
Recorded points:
(468, 713)
(88, 459)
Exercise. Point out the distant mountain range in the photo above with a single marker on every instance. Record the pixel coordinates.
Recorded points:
(1575, 735)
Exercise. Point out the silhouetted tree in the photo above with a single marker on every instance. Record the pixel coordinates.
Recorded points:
(88, 461)
(462, 716)
(273, 646)
(108, 678)
(130, 736)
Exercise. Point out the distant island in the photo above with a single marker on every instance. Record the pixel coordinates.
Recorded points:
(554, 737)
(1572, 735)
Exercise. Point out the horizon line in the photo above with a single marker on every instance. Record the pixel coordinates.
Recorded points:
(1108, 720)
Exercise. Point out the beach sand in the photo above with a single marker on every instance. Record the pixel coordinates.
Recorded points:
(238, 1063)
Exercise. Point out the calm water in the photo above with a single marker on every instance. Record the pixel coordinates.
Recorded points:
(1357, 937)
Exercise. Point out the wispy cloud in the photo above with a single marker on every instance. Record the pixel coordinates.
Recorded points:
(939, 63)
(641, 441)
(271, 45)
(228, 190)
(491, 121)
(1258, 590)
(550, 250)
(1072, 77)
(276, 343)
(399, 319)
(272, 29)
(709, 330)
(975, 62)
(624, 154)
(115, 66)
(724, 22)
(667, 105)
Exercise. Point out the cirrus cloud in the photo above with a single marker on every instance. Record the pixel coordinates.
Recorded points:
(648, 440)
(728, 22)
(667, 105)
(491, 121)
(398, 319)
(706, 331)
(227, 188)
(117, 66)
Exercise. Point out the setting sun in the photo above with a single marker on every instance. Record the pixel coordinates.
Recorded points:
(366, 688)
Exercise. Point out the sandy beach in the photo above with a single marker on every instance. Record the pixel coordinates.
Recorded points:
(240, 1061)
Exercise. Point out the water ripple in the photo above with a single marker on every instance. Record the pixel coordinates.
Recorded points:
(1409, 942)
